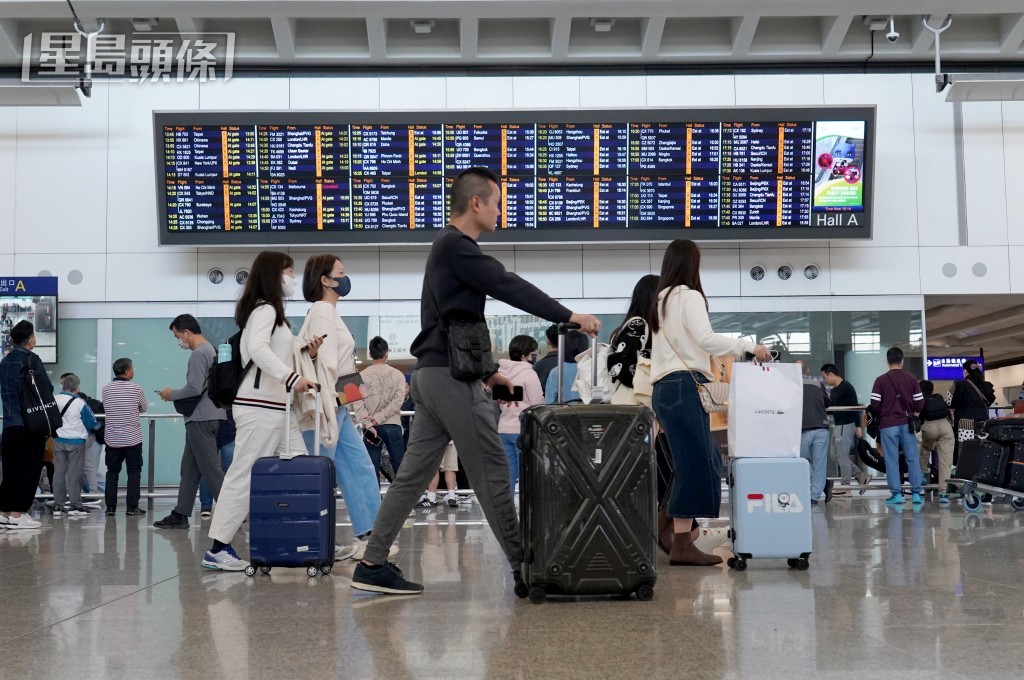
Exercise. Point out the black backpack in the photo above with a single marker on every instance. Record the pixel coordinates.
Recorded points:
(225, 378)
(96, 406)
(39, 409)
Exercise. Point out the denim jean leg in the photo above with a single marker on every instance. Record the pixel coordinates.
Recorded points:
(510, 442)
(891, 450)
(394, 440)
(914, 474)
(354, 472)
(814, 448)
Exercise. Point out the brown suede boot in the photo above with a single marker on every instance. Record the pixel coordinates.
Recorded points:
(664, 531)
(684, 552)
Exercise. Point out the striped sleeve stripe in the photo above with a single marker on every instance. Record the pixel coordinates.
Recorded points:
(292, 379)
(875, 396)
(259, 403)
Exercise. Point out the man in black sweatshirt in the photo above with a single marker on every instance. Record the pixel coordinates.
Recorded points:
(456, 283)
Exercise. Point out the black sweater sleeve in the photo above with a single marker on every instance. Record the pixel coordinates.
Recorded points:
(476, 269)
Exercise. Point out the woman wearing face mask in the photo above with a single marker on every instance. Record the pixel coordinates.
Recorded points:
(324, 283)
(258, 409)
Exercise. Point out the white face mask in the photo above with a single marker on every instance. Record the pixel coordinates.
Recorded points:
(182, 343)
(289, 284)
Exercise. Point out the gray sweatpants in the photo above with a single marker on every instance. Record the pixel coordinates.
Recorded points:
(450, 410)
(200, 460)
(68, 472)
(843, 452)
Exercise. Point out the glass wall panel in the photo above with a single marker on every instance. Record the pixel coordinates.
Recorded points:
(77, 353)
(855, 341)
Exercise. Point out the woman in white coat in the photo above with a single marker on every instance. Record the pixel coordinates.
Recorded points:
(324, 283)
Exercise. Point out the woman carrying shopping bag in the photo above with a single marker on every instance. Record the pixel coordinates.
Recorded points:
(681, 365)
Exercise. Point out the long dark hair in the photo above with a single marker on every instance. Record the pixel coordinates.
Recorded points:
(264, 285)
(644, 302)
(679, 267)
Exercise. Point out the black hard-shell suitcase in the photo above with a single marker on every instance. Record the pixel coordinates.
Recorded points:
(588, 503)
(1014, 474)
(1005, 429)
(982, 461)
(292, 509)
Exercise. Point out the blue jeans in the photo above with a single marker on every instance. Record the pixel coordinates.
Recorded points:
(697, 484)
(814, 447)
(510, 442)
(892, 437)
(391, 436)
(356, 478)
(227, 454)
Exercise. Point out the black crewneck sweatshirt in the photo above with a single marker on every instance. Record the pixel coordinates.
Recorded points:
(461, 276)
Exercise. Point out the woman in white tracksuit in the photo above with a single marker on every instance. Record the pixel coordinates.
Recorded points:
(259, 407)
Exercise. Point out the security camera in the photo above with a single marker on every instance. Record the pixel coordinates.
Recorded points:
(893, 35)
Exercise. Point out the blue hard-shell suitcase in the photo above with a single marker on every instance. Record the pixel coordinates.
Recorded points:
(770, 509)
(292, 511)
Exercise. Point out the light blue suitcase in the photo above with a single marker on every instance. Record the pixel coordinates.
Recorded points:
(770, 510)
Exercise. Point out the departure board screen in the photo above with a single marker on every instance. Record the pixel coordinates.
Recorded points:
(574, 176)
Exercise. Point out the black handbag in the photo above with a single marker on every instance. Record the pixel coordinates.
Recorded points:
(469, 346)
(39, 410)
(187, 406)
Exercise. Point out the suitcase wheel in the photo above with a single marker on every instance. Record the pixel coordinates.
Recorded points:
(1017, 503)
(250, 570)
(800, 563)
(326, 569)
(645, 592)
(737, 563)
(972, 502)
(537, 595)
(312, 571)
(264, 570)
(521, 590)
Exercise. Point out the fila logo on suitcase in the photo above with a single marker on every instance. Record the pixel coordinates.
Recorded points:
(774, 502)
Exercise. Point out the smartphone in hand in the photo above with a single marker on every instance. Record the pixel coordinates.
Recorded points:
(502, 393)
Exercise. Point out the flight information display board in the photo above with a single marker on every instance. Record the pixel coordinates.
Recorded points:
(579, 176)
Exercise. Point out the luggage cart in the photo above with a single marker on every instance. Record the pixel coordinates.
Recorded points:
(971, 498)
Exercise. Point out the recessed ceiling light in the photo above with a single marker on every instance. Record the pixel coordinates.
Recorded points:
(422, 26)
(602, 25)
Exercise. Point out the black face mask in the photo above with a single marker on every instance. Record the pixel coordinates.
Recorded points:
(344, 285)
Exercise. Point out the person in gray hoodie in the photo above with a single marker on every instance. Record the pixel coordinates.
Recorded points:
(519, 369)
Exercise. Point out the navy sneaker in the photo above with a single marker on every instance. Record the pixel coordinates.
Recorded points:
(386, 579)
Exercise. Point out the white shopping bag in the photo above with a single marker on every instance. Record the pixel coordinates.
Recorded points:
(765, 410)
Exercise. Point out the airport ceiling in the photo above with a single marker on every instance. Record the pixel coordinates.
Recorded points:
(522, 33)
(961, 325)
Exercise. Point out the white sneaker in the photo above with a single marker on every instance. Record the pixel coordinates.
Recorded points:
(344, 552)
(76, 512)
(710, 539)
(451, 500)
(226, 560)
(359, 548)
(3, 521)
(23, 522)
(94, 503)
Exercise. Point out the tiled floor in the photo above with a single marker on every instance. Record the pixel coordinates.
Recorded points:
(929, 594)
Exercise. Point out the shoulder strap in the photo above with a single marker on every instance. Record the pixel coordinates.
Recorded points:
(67, 406)
(898, 395)
(975, 387)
